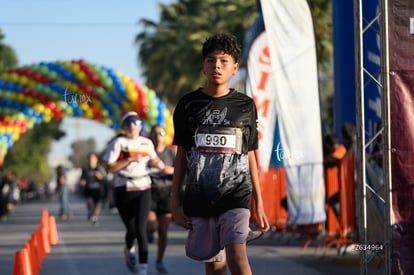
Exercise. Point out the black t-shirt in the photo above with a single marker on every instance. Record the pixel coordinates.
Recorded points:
(158, 177)
(217, 134)
(89, 175)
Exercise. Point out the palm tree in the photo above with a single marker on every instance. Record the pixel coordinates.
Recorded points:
(170, 50)
(8, 58)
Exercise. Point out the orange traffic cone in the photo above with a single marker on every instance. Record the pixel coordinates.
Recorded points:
(43, 239)
(27, 267)
(34, 252)
(22, 265)
(45, 214)
(44, 221)
(18, 264)
(53, 233)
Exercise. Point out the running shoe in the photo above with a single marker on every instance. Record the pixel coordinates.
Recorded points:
(143, 269)
(161, 267)
(95, 221)
(131, 261)
(253, 235)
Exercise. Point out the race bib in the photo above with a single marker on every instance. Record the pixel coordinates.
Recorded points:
(138, 184)
(223, 140)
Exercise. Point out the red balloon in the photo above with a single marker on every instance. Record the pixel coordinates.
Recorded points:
(51, 105)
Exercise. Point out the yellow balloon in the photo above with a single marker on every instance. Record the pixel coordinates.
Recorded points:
(16, 130)
(74, 67)
(48, 112)
(12, 96)
(65, 64)
(81, 75)
(13, 77)
(125, 79)
(23, 80)
(89, 114)
(15, 137)
(20, 97)
(132, 96)
(31, 82)
(39, 107)
(74, 87)
(84, 106)
(5, 77)
(29, 101)
(47, 119)
(130, 88)
(107, 121)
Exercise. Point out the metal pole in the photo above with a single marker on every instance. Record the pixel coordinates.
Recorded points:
(360, 129)
(385, 75)
(383, 83)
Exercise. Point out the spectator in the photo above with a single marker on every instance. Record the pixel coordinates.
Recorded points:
(333, 154)
(63, 193)
(375, 158)
(6, 185)
(348, 135)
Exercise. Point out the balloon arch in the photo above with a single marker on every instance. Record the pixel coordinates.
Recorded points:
(40, 93)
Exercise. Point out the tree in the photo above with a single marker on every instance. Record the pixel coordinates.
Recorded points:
(81, 149)
(170, 50)
(28, 156)
(322, 16)
(8, 58)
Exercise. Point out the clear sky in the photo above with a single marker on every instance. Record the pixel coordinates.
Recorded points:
(100, 32)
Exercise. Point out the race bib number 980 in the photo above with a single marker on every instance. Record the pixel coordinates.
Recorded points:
(219, 139)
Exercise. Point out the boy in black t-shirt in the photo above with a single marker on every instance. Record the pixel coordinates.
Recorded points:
(215, 130)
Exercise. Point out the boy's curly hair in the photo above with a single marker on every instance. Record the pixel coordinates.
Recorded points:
(225, 42)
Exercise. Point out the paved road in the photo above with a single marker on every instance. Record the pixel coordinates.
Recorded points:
(85, 249)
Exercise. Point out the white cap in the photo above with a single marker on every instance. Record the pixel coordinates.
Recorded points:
(129, 114)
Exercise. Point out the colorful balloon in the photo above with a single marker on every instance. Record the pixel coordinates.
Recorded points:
(47, 91)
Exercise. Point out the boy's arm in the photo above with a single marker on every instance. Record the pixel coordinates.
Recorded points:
(257, 195)
(178, 178)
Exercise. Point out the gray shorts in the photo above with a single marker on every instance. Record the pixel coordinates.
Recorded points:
(208, 236)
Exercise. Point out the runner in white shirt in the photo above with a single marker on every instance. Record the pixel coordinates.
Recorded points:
(128, 158)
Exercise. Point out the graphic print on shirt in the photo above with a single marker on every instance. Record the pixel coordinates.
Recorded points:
(130, 152)
(211, 138)
(216, 117)
(216, 166)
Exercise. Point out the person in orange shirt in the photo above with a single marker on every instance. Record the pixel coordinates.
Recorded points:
(333, 154)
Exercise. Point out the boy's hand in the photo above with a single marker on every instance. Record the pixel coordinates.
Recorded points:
(180, 218)
(262, 220)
